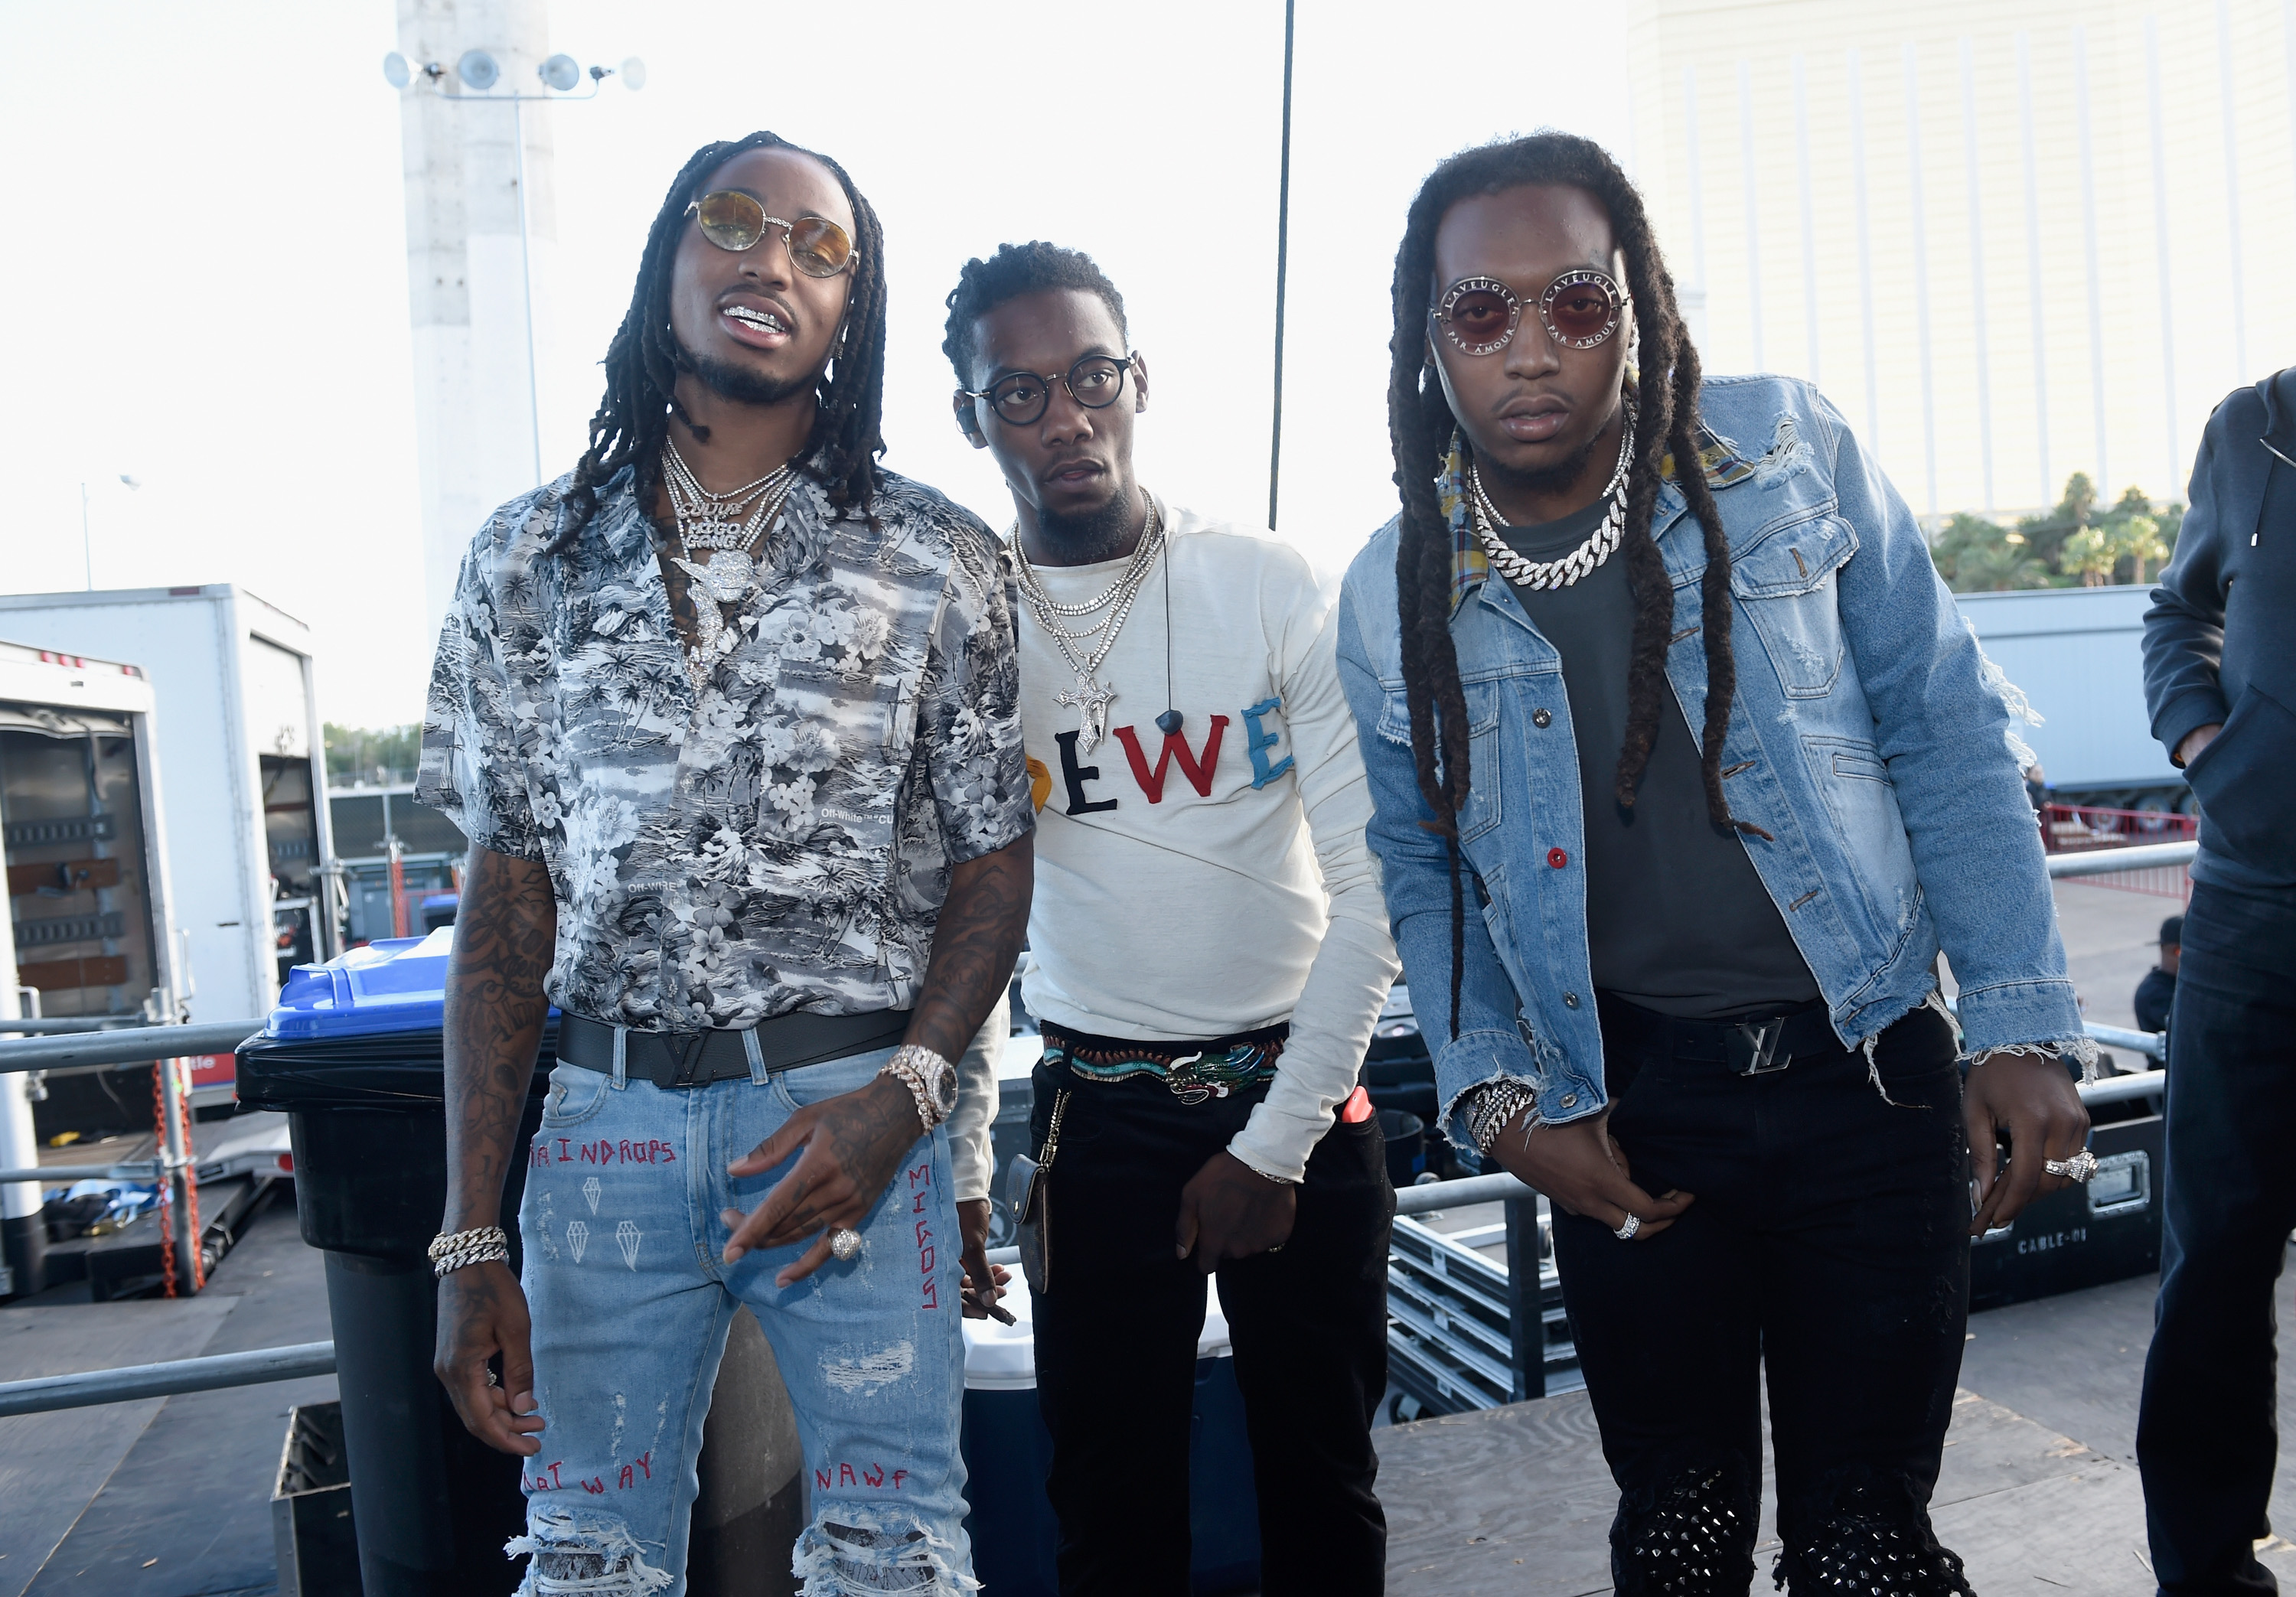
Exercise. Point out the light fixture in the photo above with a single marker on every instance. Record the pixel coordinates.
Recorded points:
(478, 70)
(633, 73)
(395, 71)
(560, 72)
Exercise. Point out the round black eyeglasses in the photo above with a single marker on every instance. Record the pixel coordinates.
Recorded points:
(1020, 398)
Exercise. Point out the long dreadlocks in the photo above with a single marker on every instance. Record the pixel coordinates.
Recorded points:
(1420, 425)
(632, 425)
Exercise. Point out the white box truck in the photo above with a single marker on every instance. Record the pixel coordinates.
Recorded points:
(240, 738)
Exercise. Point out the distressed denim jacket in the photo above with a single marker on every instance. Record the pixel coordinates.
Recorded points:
(1870, 737)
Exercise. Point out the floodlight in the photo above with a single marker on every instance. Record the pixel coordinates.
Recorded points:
(131, 479)
(560, 72)
(634, 76)
(395, 70)
(478, 70)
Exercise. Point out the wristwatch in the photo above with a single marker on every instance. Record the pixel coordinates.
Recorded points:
(931, 1078)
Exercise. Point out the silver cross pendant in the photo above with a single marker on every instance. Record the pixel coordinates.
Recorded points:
(1091, 700)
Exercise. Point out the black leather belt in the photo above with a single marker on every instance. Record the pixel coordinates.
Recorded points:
(693, 1058)
(1751, 1047)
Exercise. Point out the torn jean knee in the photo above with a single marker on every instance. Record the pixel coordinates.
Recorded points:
(1866, 1531)
(1689, 1535)
(582, 1551)
(850, 1550)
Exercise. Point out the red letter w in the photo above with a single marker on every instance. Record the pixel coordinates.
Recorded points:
(1176, 747)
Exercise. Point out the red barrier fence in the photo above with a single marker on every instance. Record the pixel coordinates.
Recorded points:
(2080, 828)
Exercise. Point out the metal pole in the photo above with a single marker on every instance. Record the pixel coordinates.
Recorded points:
(1283, 256)
(176, 1162)
(526, 282)
(167, 1380)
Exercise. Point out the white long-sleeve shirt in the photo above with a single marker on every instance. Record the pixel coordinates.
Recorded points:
(1218, 881)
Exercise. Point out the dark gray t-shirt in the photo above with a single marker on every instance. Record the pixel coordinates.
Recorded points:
(1676, 918)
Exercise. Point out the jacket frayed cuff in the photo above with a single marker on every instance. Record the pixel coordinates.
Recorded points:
(2081, 1049)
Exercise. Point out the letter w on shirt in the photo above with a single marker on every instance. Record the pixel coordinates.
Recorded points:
(1176, 747)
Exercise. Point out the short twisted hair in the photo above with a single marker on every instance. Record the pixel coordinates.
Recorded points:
(1014, 270)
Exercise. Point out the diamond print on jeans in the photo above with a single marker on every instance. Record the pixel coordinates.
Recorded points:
(590, 1191)
(578, 1237)
(627, 1235)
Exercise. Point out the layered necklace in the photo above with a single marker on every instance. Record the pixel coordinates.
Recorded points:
(1090, 696)
(1565, 569)
(728, 526)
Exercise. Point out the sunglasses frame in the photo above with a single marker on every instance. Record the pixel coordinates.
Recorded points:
(1621, 302)
(766, 223)
(1124, 370)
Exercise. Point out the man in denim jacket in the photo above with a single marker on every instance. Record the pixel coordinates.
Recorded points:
(1695, 999)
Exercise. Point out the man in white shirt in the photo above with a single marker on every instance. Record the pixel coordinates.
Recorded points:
(1209, 951)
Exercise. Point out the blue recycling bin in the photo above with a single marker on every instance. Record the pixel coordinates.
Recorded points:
(1008, 1453)
(355, 1055)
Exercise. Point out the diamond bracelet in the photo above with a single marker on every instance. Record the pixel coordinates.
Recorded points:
(481, 1245)
(1492, 1107)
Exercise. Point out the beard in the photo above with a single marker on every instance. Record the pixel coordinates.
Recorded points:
(1097, 535)
(741, 385)
(1559, 476)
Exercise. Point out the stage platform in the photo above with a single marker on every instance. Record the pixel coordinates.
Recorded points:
(2039, 1490)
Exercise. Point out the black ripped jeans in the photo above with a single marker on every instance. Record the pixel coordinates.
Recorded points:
(1828, 1247)
(1116, 1346)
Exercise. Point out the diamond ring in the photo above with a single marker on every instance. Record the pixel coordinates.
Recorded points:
(1626, 1233)
(844, 1243)
(2079, 1167)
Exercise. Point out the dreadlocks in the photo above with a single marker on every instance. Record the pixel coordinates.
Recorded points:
(1420, 425)
(632, 426)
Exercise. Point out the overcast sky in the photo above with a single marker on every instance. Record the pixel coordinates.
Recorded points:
(207, 283)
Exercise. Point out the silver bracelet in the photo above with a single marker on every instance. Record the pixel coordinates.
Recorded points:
(932, 1081)
(1492, 1107)
(481, 1245)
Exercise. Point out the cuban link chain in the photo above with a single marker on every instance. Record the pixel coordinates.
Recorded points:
(1091, 697)
(1561, 572)
(716, 522)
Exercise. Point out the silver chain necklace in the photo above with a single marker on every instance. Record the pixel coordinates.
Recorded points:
(1563, 571)
(716, 522)
(1091, 696)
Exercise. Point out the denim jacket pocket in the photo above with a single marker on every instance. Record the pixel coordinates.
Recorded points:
(1484, 754)
(1784, 582)
(1854, 781)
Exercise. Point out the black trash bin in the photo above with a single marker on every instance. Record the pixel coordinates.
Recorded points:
(354, 1054)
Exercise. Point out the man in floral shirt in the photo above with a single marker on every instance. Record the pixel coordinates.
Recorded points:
(729, 715)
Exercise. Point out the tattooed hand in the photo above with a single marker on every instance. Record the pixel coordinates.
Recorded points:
(482, 1313)
(505, 939)
(852, 1145)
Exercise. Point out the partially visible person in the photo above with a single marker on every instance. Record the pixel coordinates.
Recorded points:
(2158, 990)
(2220, 681)
(2036, 787)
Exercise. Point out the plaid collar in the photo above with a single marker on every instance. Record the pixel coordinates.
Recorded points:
(1471, 566)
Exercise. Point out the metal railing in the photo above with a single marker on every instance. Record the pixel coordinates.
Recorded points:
(168, 1380)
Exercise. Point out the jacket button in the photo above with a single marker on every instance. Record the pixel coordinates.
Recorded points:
(1568, 1100)
(1539, 718)
(1571, 1001)
(1557, 858)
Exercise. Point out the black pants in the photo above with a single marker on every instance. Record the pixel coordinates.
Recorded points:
(2206, 1437)
(1116, 1346)
(1829, 1244)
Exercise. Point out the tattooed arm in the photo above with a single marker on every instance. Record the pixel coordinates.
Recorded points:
(505, 939)
(854, 1143)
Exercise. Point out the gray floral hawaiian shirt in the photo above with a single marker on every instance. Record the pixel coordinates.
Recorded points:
(781, 840)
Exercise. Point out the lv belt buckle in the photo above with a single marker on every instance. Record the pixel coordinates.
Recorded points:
(688, 1050)
(1754, 1049)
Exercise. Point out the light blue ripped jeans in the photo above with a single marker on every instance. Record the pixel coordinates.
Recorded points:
(631, 1305)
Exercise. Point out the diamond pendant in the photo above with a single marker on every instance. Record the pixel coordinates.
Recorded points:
(1091, 700)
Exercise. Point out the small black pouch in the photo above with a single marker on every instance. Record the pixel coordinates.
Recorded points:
(1029, 1193)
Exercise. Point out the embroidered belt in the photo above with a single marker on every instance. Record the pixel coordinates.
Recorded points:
(1192, 1072)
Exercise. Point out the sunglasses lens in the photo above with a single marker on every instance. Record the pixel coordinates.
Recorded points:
(819, 246)
(1583, 312)
(729, 220)
(1478, 317)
